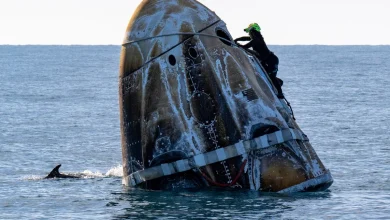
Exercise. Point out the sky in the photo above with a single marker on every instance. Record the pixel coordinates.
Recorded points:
(283, 22)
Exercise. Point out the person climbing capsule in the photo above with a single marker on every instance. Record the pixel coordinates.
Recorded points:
(268, 59)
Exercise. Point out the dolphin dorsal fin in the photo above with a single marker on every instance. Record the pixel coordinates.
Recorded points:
(55, 172)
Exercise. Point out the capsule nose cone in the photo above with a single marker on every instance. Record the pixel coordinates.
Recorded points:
(154, 17)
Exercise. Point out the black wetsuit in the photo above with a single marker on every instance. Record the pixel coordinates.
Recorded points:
(268, 59)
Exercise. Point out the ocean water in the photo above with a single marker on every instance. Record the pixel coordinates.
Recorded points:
(59, 104)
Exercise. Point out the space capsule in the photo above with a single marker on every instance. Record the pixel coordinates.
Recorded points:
(196, 110)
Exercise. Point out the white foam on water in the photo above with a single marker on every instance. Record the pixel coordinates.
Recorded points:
(32, 177)
(89, 174)
(116, 171)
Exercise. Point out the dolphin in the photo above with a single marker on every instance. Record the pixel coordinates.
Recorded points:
(197, 110)
(55, 173)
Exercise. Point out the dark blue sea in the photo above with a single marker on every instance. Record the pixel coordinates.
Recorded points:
(59, 104)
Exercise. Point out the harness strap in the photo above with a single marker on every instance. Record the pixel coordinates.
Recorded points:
(215, 156)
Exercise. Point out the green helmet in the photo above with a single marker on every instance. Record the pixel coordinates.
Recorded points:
(252, 26)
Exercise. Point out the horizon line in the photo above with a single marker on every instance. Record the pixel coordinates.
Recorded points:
(121, 44)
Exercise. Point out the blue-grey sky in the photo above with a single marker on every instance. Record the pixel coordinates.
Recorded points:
(283, 22)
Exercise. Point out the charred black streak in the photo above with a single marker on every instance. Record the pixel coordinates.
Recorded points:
(202, 102)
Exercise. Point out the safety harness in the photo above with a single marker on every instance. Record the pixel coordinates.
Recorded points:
(218, 155)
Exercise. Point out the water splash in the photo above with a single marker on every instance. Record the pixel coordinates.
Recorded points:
(32, 177)
(116, 171)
